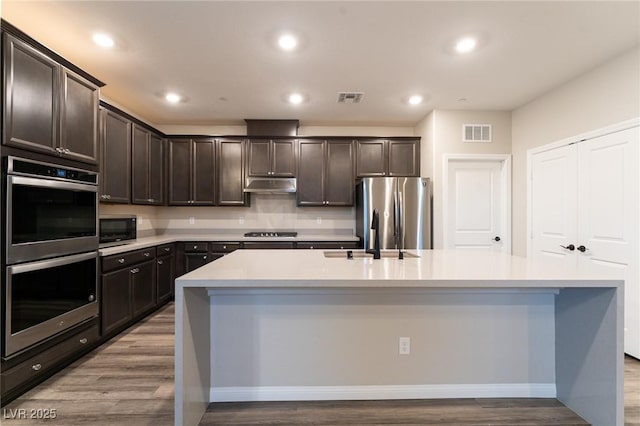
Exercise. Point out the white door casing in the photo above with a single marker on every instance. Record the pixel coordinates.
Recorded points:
(604, 225)
(477, 202)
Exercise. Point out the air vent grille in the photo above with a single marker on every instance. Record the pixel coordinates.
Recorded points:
(350, 97)
(476, 132)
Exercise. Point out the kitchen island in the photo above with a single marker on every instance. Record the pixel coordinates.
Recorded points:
(299, 325)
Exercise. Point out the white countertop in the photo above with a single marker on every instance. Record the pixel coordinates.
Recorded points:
(141, 243)
(434, 268)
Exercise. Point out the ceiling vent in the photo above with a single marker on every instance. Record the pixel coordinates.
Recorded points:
(476, 132)
(350, 97)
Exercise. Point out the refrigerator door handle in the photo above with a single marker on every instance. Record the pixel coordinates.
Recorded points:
(400, 243)
(395, 218)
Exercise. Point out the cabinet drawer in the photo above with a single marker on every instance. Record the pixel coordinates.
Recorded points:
(165, 249)
(196, 247)
(39, 364)
(224, 247)
(328, 245)
(129, 258)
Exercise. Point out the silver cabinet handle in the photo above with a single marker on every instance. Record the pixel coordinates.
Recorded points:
(121, 261)
(224, 247)
(67, 151)
(147, 254)
(84, 340)
(160, 262)
(108, 197)
(195, 247)
(204, 257)
(167, 249)
(135, 271)
(36, 367)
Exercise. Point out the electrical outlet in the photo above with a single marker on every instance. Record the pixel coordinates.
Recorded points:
(241, 220)
(404, 346)
(192, 220)
(319, 220)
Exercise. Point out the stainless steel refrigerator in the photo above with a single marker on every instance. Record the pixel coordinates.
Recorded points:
(404, 209)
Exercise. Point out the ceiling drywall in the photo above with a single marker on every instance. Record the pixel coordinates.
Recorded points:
(222, 56)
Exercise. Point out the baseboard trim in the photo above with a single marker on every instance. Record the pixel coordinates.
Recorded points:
(315, 393)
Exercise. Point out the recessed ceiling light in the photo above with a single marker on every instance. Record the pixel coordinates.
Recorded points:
(172, 98)
(103, 40)
(287, 42)
(415, 100)
(466, 45)
(296, 98)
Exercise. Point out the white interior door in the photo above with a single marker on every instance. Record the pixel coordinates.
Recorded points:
(586, 197)
(609, 217)
(476, 205)
(554, 203)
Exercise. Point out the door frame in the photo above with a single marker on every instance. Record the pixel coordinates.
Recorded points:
(591, 134)
(505, 160)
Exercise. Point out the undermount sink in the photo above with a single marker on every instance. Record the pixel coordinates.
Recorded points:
(359, 254)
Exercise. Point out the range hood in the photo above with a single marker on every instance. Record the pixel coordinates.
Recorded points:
(270, 185)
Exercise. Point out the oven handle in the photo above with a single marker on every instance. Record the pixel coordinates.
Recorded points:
(51, 263)
(46, 183)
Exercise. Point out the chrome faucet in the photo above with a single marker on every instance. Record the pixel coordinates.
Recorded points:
(375, 219)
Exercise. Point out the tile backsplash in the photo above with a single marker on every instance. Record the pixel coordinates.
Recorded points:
(267, 211)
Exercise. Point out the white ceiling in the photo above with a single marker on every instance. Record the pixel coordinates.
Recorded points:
(221, 55)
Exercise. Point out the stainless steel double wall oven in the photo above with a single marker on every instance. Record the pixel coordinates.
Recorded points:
(50, 256)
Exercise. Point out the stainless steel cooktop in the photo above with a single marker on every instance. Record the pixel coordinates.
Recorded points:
(270, 234)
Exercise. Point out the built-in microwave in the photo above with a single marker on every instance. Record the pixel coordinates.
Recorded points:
(116, 229)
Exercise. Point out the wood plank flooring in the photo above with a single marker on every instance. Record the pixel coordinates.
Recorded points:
(129, 381)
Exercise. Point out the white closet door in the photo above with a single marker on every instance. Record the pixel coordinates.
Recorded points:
(476, 217)
(554, 203)
(609, 217)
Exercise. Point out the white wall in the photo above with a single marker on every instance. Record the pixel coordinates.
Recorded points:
(441, 132)
(606, 95)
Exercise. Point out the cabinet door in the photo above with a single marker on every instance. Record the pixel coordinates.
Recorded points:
(283, 157)
(140, 165)
(203, 179)
(404, 158)
(143, 287)
(115, 176)
(310, 191)
(230, 161)
(259, 158)
(31, 83)
(370, 158)
(79, 118)
(179, 171)
(164, 278)
(339, 178)
(195, 260)
(156, 170)
(116, 300)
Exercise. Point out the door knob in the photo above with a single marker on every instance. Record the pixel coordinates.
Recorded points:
(570, 247)
(496, 239)
(582, 249)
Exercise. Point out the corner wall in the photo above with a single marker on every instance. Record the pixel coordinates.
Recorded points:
(604, 96)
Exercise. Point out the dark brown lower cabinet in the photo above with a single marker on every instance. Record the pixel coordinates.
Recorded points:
(116, 300)
(143, 287)
(31, 368)
(165, 275)
(328, 245)
(195, 260)
(128, 288)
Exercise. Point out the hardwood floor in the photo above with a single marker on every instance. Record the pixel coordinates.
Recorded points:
(129, 381)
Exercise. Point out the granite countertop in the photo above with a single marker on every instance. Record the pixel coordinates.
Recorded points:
(433, 268)
(146, 242)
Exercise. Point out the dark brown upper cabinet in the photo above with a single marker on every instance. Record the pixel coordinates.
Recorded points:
(230, 163)
(192, 172)
(388, 157)
(47, 108)
(147, 179)
(272, 157)
(325, 173)
(115, 158)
